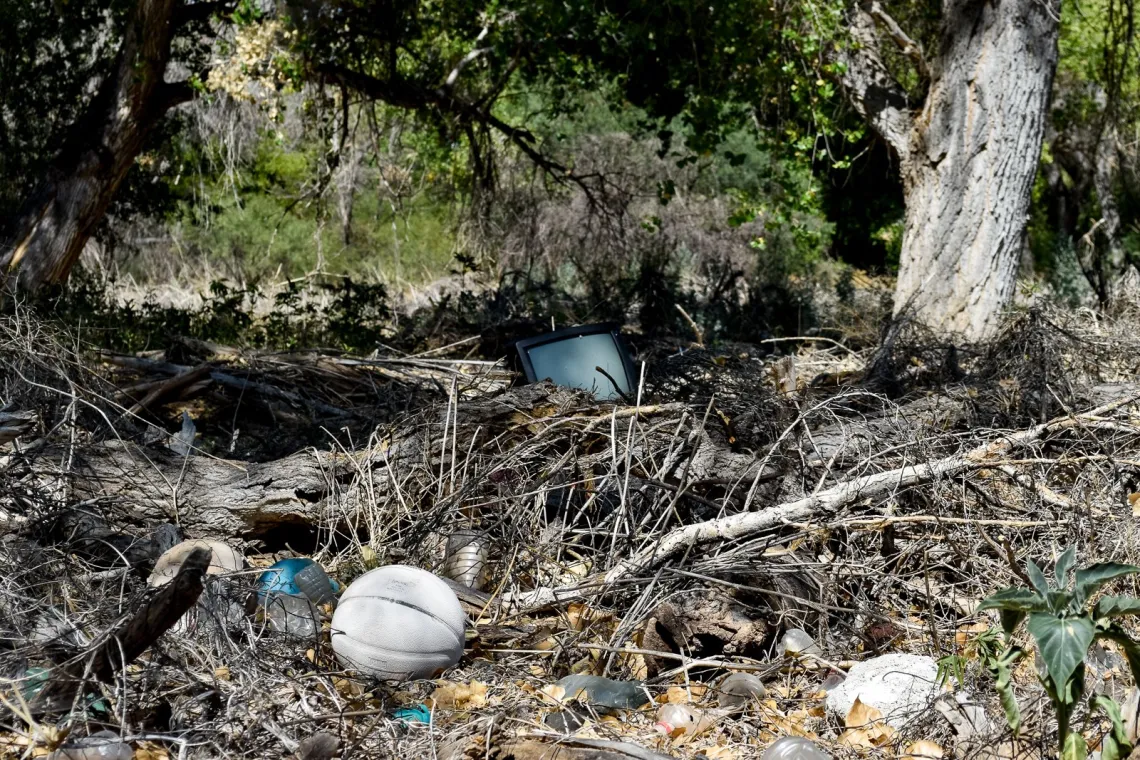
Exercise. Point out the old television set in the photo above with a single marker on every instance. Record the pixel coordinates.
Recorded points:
(571, 356)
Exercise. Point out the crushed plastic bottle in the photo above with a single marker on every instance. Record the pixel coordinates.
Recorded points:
(794, 748)
(296, 616)
(686, 720)
(605, 692)
(798, 643)
(298, 576)
(467, 558)
(104, 745)
(739, 690)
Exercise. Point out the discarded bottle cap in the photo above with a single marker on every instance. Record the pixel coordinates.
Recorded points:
(798, 642)
(467, 557)
(299, 576)
(794, 748)
(739, 690)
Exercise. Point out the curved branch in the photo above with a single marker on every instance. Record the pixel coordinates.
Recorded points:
(870, 87)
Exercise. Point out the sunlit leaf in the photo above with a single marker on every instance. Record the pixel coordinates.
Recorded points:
(1062, 643)
(1116, 606)
(1090, 578)
(1064, 565)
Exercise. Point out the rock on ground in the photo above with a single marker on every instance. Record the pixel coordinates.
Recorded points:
(901, 686)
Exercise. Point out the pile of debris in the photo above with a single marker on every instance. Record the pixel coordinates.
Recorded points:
(766, 548)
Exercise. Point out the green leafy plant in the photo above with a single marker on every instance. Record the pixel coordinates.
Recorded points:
(1058, 614)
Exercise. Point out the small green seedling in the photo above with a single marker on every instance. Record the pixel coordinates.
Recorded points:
(1064, 626)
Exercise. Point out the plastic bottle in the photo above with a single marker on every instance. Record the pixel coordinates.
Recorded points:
(797, 642)
(739, 690)
(467, 558)
(104, 745)
(794, 748)
(606, 692)
(292, 615)
(678, 720)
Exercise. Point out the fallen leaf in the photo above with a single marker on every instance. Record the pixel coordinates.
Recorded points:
(865, 727)
(459, 696)
(923, 750)
(222, 673)
(1134, 500)
(151, 751)
(721, 753)
(862, 714)
(553, 693)
(966, 633)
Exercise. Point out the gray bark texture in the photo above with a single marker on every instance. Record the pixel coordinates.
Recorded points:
(62, 214)
(967, 156)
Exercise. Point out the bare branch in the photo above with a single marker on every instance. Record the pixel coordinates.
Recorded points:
(871, 88)
(907, 46)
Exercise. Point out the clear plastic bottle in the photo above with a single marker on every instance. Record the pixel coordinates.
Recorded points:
(739, 690)
(104, 745)
(678, 720)
(794, 748)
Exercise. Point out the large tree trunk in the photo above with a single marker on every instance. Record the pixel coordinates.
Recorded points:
(63, 212)
(968, 157)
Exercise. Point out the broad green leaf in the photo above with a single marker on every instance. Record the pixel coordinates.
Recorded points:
(1111, 749)
(1116, 606)
(1003, 674)
(1124, 641)
(1075, 747)
(1064, 565)
(1062, 643)
(1037, 578)
(1016, 599)
(1010, 619)
(1061, 602)
(1090, 578)
(1116, 744)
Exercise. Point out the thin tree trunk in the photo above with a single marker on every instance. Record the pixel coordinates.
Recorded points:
(968, 157)
(63, 212)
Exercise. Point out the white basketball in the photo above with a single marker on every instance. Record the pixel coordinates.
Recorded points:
(398, 622)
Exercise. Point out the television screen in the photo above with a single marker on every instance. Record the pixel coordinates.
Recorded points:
(570, 358)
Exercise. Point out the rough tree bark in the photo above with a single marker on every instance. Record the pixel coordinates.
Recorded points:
(61, 215)
(968, 156)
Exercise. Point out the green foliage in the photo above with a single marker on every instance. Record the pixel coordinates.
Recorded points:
(1064, 627)
(338, 314)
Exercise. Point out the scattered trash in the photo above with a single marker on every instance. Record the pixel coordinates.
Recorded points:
(298, 576)
(739, 690)
(104, 745)
(319, 746)
(794, 748)
(293, 614)
(605, 692)
(182, 442)
(223, 559)
(832, 680)
(565, 721)
(417, 714)
(467, 558)
(797, 643)
(899, 685)
(398, 622)
(684, 720)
